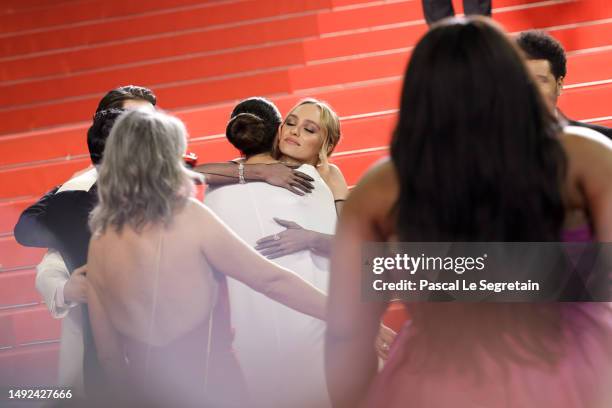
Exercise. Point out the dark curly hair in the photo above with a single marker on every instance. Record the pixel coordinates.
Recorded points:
(114, 99)
(540, 45)
(97, 134)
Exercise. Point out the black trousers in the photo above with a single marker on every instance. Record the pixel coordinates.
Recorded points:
(435, 10)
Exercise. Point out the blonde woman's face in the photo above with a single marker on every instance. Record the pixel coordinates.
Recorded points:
(301, 135)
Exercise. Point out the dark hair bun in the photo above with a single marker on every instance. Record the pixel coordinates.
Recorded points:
(246, 132)
(253, 126)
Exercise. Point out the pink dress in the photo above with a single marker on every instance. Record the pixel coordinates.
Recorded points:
(581, 377)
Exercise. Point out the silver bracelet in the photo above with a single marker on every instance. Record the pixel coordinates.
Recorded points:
(241, 179)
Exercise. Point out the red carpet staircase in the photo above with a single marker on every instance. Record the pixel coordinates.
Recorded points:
(57, 58)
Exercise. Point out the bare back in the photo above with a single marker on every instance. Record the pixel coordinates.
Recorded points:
(126, 264)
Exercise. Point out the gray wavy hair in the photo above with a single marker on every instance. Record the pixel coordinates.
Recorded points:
(142, 178)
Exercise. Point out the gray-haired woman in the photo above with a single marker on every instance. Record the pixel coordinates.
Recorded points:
(156, 266)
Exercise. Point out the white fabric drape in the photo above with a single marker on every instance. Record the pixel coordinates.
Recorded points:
(280, 350)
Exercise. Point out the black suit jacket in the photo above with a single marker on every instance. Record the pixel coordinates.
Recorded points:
(60, 221)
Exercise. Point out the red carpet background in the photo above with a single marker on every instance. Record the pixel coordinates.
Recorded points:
(58, 57)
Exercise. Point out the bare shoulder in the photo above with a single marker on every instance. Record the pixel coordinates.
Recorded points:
(335, 171)
(378, 189)
(196, 213)
(381, 179)
(578, 140)
(382, 173)
(589, 153)
(200, 217)
(195, 206)
(335, 180)
(589, 157)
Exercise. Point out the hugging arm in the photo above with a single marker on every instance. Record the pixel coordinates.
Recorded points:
(276, 174)
(219, 174)
(230, 255)
(294, 239)
(57, 221)
(33, 228)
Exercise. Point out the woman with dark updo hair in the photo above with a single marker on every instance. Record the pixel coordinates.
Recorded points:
(272, 342)
(253, 126)
(476, 156)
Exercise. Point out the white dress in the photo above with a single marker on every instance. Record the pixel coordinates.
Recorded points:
(280, 350)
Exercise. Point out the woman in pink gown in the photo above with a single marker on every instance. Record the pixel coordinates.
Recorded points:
(476, 156)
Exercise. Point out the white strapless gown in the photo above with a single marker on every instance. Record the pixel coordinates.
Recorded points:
(280, 350)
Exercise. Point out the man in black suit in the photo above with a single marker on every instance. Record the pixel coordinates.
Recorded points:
(59, 221)
(547, 62)
(435, 10)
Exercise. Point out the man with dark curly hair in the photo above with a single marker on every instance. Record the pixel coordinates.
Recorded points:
(547, 61)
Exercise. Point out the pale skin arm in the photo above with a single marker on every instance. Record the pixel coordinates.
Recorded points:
(352, 326)
(230, 255)
(321, 243)
(295, 238)
(337, 184)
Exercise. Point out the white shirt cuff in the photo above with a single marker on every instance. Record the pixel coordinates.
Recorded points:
(59, 298)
